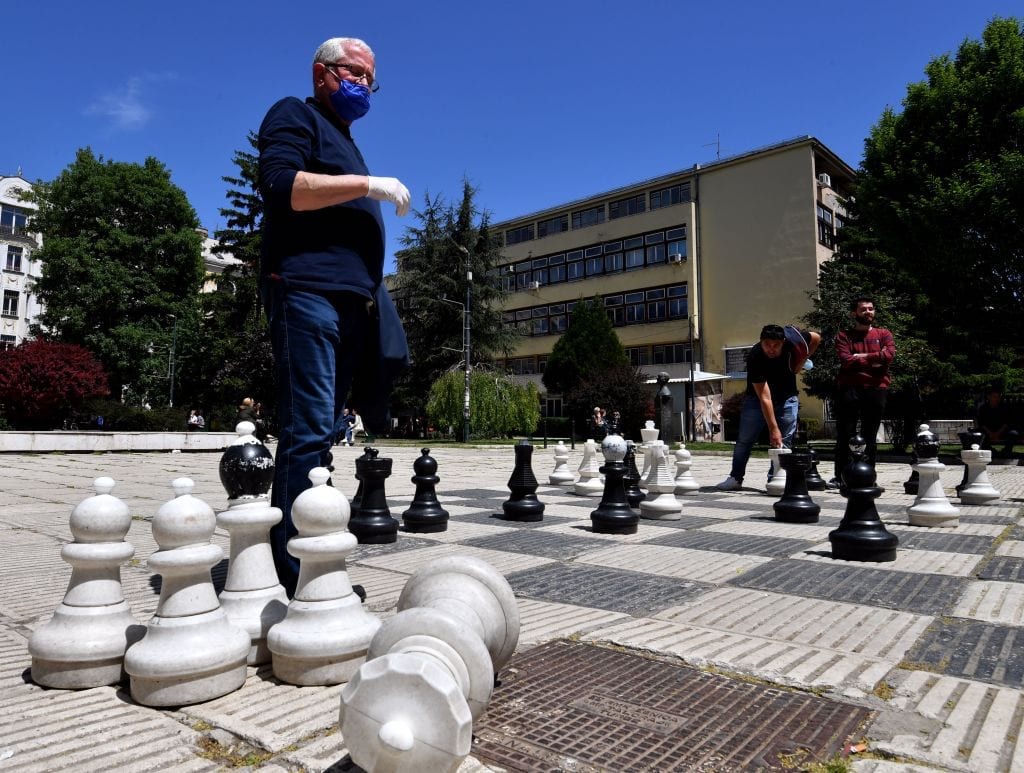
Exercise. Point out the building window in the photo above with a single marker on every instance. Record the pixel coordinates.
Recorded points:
(14, 256)
(634, 308)
(638, 355)
(655, 254)
(656, 304)
(552, 226)
(634, 205)
(10, 303)
(826, 231)
(7, 342)
(574, 270)
(517, 235)
(553, 406)
(677, 194)
(588, 217)
(635, 258)
(613, 263)
(556, 269)
(540, 271)
(667, 354)
(13, 220)
(595, 266)
(677, 306)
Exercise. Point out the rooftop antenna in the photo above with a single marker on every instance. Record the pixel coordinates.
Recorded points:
(718, 146)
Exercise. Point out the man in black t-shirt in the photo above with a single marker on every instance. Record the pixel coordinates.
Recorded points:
(771, 399)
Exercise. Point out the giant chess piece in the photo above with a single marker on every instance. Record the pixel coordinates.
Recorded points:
(631, 480)
(613, 515)
(777, 484)
(425, 514)
(796, 505)
(324, 636)
(814, 480)
(589, 484)
(979, 488)
(685, 483)
(648, 436)
(253, 598)
(83, 644)
(523, 505)
(911, 484)
(931, 507)
(190, 653)
(561, 475)
(969, 438)
(372, 523)
(662, 504)
(430, 669)
(861, 535)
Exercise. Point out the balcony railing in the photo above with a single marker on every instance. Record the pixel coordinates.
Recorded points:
(16, 232)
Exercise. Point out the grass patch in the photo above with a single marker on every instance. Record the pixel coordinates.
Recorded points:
(237, 756)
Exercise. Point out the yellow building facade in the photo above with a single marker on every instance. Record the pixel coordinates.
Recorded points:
(696, 261)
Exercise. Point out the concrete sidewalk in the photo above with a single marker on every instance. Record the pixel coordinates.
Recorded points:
(931, 642)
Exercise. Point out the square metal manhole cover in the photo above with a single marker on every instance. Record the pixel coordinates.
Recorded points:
(567, 706)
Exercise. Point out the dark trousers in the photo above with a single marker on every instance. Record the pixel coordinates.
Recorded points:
(857, 406)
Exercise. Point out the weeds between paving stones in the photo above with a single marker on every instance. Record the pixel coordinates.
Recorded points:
(238, 756)
(884, 690)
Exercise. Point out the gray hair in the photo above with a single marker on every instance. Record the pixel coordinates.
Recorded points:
(334, 49)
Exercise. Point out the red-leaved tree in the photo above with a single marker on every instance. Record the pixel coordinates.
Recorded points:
(44, 381)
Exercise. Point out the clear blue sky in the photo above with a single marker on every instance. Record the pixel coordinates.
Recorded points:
(536, 103)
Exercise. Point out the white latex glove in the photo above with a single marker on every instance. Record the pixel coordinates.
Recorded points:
(389, 189)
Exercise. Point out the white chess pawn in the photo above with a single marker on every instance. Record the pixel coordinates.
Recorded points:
(253, 598)
(661, 502)
(590, 483)
(685, 483)
(561, 475)
(324, 636)
(978, 489)
(190, 652)
(83, 644)
(777, 485)
(430, 669)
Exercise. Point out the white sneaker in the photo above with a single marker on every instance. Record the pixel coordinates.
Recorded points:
(729, 484)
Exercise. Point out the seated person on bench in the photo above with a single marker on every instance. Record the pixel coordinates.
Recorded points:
(994, 422)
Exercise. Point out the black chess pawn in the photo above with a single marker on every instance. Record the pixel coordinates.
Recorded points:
(247, 466)
(861, 535)
(796, 505)
(814, 480)
(971, 437)
(911, 484)
(523, 505)
(373, 524)
(613, 515)
(631, 480)
(425, 514)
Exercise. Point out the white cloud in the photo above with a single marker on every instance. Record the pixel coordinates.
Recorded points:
(124, 105)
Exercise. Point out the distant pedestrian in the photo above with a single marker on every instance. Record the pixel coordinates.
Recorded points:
(194, 420)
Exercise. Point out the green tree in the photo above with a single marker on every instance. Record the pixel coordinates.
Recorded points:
(589, 367)
(498, 406)
(938, 211)
(432, 267)
(235, 360)
(121, 261)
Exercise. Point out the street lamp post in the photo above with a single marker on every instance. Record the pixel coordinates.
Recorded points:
(170, 363)
(693, 386)
(466, 348)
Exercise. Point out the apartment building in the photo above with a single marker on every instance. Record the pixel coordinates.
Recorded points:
(18, 268)
(689, 266)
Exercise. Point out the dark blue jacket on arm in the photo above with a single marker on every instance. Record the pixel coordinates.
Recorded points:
(335, 248)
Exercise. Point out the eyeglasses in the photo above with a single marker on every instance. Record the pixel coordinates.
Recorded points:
(357, 73)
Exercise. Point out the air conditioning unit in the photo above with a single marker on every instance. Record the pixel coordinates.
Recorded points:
(534, 285)
(825, 179)
(676, 257)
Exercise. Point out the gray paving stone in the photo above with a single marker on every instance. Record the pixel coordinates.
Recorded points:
(618, 591)
(371, 551)
(491, 517)
(776, 547)
(539, 543)
(685, 522)
(922, 593)
(974, 649)
(949, 542)
(1003, 568)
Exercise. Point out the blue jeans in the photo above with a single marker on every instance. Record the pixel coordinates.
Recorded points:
(752, 423)
(317, 340)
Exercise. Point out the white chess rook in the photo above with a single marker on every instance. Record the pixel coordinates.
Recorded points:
(777, 485)
(685, 482)
(325, 634)
(979, 489)
(430, 669)
(561, 475)
(83, 644)
(190, 652)
(590, 483)
(661, 503)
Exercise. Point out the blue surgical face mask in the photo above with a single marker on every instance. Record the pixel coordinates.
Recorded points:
(351, 101)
